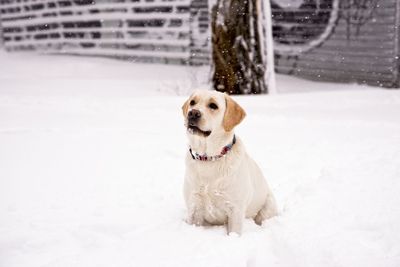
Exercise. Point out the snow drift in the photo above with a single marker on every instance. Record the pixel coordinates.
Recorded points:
(91, 170)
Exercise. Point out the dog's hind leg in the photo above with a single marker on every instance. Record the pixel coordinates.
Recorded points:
(268, 210)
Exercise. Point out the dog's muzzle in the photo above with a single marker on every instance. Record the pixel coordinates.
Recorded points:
(193, 119)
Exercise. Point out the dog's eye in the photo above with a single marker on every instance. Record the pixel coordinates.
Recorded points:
(192, 102)
(213, 106)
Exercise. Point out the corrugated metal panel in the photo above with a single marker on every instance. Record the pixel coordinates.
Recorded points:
(365, 53)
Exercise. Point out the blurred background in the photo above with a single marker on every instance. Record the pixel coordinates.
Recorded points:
(322, 40)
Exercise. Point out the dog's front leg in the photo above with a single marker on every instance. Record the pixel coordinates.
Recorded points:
(196, 217)
(196, 211)
(235, 221)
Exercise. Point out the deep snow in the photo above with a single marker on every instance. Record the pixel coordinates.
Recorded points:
(91, 169)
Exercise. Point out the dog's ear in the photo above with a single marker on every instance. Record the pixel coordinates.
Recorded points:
(185, 107)
(234, 114)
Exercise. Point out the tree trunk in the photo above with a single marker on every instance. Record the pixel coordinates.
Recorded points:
(239, 49)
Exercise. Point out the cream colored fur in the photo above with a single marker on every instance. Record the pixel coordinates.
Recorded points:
(232, 188)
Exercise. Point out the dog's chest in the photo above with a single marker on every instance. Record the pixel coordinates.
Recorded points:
(213, 199)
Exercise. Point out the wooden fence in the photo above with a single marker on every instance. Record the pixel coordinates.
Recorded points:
(324, 40)
(156, 30)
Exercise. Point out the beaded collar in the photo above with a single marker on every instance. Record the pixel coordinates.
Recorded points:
(204, 157)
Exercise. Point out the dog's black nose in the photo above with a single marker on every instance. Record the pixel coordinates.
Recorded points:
(194, 115)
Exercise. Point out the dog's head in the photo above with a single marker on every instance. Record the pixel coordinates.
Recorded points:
(211, 112)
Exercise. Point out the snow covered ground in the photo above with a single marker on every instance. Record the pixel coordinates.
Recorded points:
(91, 169)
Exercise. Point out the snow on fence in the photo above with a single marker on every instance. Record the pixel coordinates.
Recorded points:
(326, 40)
(147, 30)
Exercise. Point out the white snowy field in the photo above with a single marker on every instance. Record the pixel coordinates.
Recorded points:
(92, 161)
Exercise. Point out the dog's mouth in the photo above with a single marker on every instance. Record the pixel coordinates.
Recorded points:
(192, 129)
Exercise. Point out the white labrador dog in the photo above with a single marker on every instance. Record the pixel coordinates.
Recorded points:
(223, 185)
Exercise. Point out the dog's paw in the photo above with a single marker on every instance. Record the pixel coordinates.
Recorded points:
(189, 221)
(192, 220)
(233, 235)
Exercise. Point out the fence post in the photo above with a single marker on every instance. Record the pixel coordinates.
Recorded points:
(199, 32)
